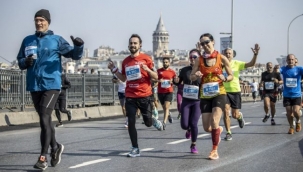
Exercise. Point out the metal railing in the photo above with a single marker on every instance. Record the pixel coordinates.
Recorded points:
(86, 90)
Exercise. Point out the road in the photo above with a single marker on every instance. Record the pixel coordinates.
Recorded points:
(102, 146)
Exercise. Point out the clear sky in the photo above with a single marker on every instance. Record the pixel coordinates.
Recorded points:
(111, 22)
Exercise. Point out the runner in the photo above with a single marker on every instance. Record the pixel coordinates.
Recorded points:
(233, 90)
(254, 89)
(270, 80)
(40, 54)
(137, 70)
(165, 89)
(213, 94)
(121, 95)
(190, 107)
(61, 102)
(292, 76)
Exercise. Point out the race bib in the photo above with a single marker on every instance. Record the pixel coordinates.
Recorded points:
(31, 50)
(269, 85)
(165, 84)
(291, 82)
(190, 91)
(211, 89)
(133, 72)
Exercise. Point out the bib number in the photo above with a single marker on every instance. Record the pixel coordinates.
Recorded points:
(31, 50)
(269, 85)
(190, 91)
(133, 72)
(291, 82)
(165, 84)
(210, 89)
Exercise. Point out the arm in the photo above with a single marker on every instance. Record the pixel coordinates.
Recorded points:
(228, 70)
(67, 83)
(254, 59)
(21, 57)
(68, 51)
(153, 75)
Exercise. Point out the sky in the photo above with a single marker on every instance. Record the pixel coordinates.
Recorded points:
(111, 22)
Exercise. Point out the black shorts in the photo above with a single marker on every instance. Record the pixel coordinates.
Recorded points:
(207, 105)
(287, 101)
(272, 97)
(165, 97)
(234, 99)
(144, 104)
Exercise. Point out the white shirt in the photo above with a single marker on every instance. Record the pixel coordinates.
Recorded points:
(254, 86)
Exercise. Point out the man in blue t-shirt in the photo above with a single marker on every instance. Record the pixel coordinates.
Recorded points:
(292, 91)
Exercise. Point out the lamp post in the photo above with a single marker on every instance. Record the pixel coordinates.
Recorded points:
(232, 25)
(288, 32)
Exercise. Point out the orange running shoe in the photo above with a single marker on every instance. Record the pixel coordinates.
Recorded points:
(291, 131)
(298, 127)
(213, 155)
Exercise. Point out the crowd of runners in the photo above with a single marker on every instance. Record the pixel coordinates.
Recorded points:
(208, 87)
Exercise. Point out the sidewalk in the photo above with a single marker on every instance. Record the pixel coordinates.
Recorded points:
(30, 117)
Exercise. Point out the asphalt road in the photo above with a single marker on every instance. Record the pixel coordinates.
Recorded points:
(102, 146)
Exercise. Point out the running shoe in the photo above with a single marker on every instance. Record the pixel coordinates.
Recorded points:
(155, 113)
(241, 121)
(188, 134)
(56, 155)
(69, 115)
(59, 124)
(228, 137)
(134, 152)
(164, 126)
(273, 122)
(291, 130)
(265, 118)
(157, 124)
(298, 127)
(193, 149)
(213, 155)
(126, 124)
(170, 119)
(179, 116)
(143, 122)
(41, 163)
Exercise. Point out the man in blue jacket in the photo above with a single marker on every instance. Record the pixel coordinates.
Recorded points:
(40, 54)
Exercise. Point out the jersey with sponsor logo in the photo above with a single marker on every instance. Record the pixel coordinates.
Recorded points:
(234, 85)
(292, 81)
(137, 79)
(166, 75)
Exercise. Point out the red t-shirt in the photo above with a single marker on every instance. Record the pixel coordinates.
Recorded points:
(137, 79)
(167, 75)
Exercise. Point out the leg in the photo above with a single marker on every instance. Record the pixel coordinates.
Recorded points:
(131, 109)
(226, 117)
(185, 111)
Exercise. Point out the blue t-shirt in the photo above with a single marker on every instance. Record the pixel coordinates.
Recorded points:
(292, 81)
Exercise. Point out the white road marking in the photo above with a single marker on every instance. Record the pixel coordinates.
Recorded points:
(141, 150)
(89, 163)
(201, 135)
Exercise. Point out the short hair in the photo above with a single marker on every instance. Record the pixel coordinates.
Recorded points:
(207, 35)
(165, 58)
(136, 36)
(234, 52)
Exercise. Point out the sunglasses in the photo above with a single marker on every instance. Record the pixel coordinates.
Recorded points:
(205, 42)
(193, 56)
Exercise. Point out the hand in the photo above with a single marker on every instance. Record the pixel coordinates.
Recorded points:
(199, 74)
(111, 65)
(199, 47)
(144, 67)
(29, 61)
(256, 49)
(176, 79)
(222, 77)
(161, 80)
(276, 81)
(77, 41)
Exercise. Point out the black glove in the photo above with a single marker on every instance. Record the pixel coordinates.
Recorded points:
(77, 41)
(29, 61)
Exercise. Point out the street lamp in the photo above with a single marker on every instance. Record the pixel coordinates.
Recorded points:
(232, 25)
(288, 32)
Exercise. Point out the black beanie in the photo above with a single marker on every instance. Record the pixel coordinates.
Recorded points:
(45, 14)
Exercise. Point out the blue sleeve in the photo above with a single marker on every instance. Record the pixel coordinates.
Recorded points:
(301, 70)
(21, 57)
(68, 51)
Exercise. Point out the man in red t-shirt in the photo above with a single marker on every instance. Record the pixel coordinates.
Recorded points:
(165, 89)
(137, 71)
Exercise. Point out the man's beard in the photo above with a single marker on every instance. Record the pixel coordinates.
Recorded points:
(165, 66)
(133, 50)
